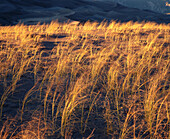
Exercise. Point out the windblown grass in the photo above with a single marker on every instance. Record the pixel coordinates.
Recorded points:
(101, 80)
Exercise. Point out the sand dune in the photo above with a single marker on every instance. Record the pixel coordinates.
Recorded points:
(32, 12)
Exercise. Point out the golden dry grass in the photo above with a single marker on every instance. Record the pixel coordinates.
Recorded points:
(110, 80)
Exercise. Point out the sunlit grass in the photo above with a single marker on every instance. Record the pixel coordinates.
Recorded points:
(109, 79)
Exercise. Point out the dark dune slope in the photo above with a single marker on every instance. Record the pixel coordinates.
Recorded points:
(34, 11)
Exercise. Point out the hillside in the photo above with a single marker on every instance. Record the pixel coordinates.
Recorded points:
(153, 5)
(13, 12)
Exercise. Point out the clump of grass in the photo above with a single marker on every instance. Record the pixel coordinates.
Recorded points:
(107, 79)
(34, 128)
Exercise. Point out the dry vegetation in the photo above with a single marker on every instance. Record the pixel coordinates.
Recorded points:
(85, 81)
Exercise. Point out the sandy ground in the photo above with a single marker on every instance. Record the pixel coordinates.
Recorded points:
(32, 12)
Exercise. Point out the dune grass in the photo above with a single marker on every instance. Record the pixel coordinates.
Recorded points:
(88, 80)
